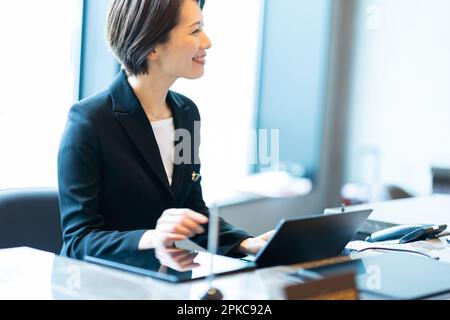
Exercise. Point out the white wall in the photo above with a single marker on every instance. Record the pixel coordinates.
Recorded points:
(400, 93)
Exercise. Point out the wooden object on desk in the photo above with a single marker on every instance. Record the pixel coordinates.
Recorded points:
(339, 287)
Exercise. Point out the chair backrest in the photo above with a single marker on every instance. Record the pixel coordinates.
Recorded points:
(30, 217)
(441, 179)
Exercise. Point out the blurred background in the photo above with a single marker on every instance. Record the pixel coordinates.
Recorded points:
(348, 100)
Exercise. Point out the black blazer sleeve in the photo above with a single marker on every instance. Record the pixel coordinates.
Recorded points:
(79, 173)
(229, 236)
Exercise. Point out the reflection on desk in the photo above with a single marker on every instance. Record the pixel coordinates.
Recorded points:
(177, 264)
(32, 274)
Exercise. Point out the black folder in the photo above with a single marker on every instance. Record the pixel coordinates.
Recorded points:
(395, 275)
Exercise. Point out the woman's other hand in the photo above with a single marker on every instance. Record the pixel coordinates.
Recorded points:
(253, 245)
(173, 225)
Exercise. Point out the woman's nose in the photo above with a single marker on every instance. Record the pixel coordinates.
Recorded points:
(206, 42)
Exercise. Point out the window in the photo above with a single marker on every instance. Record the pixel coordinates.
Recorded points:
(400, 99)
(226, 93)
(294, 70)
(39, 62)
(259, 78)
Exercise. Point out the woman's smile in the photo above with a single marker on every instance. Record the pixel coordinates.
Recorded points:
(200, 59)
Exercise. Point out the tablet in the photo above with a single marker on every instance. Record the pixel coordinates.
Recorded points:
(304, 239)
(145, 263)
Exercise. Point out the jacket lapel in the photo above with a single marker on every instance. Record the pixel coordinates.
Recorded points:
(183, 119)
(131, 116)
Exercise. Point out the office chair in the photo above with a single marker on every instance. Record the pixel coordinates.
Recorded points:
(30, 217)
(441, 179)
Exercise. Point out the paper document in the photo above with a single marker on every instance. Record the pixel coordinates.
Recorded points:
(189, 245)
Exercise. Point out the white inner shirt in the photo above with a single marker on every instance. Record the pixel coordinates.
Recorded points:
(164, 131)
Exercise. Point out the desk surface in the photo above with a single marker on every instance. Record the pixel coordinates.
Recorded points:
(27, 273)
(31, 274)
(432, 209)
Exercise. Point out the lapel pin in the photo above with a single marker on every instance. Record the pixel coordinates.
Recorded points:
(195, 176)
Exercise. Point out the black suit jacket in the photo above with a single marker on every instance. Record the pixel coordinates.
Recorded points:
(112, 182)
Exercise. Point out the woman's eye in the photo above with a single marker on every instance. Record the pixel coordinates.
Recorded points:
(197, 31)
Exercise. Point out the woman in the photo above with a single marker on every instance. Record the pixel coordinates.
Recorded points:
(119, 188)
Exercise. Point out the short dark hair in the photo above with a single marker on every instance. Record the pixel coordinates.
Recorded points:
(135, 27)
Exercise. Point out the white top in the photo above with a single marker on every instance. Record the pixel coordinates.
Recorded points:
(164, 131)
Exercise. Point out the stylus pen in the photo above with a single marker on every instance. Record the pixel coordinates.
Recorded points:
(213, 240)
(213, 236)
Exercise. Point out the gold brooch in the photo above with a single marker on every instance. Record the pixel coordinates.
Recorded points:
(195, 176)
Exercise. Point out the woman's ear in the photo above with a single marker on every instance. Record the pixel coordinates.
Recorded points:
(153, 55)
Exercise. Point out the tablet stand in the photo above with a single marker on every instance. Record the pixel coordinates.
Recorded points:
(213, 238)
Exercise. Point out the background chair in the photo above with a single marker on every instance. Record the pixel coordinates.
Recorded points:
(441, 179)
(30, 217)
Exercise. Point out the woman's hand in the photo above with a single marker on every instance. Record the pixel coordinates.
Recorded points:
(177, 259)
(173, 225)
(253, 245)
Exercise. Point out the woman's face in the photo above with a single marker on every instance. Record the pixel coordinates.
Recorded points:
(184, 54)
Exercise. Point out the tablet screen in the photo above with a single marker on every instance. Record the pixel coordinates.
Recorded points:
(174, 268)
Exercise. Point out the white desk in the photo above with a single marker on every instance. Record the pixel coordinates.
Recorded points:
(432, 209)
(27, 273)
(31, 274)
